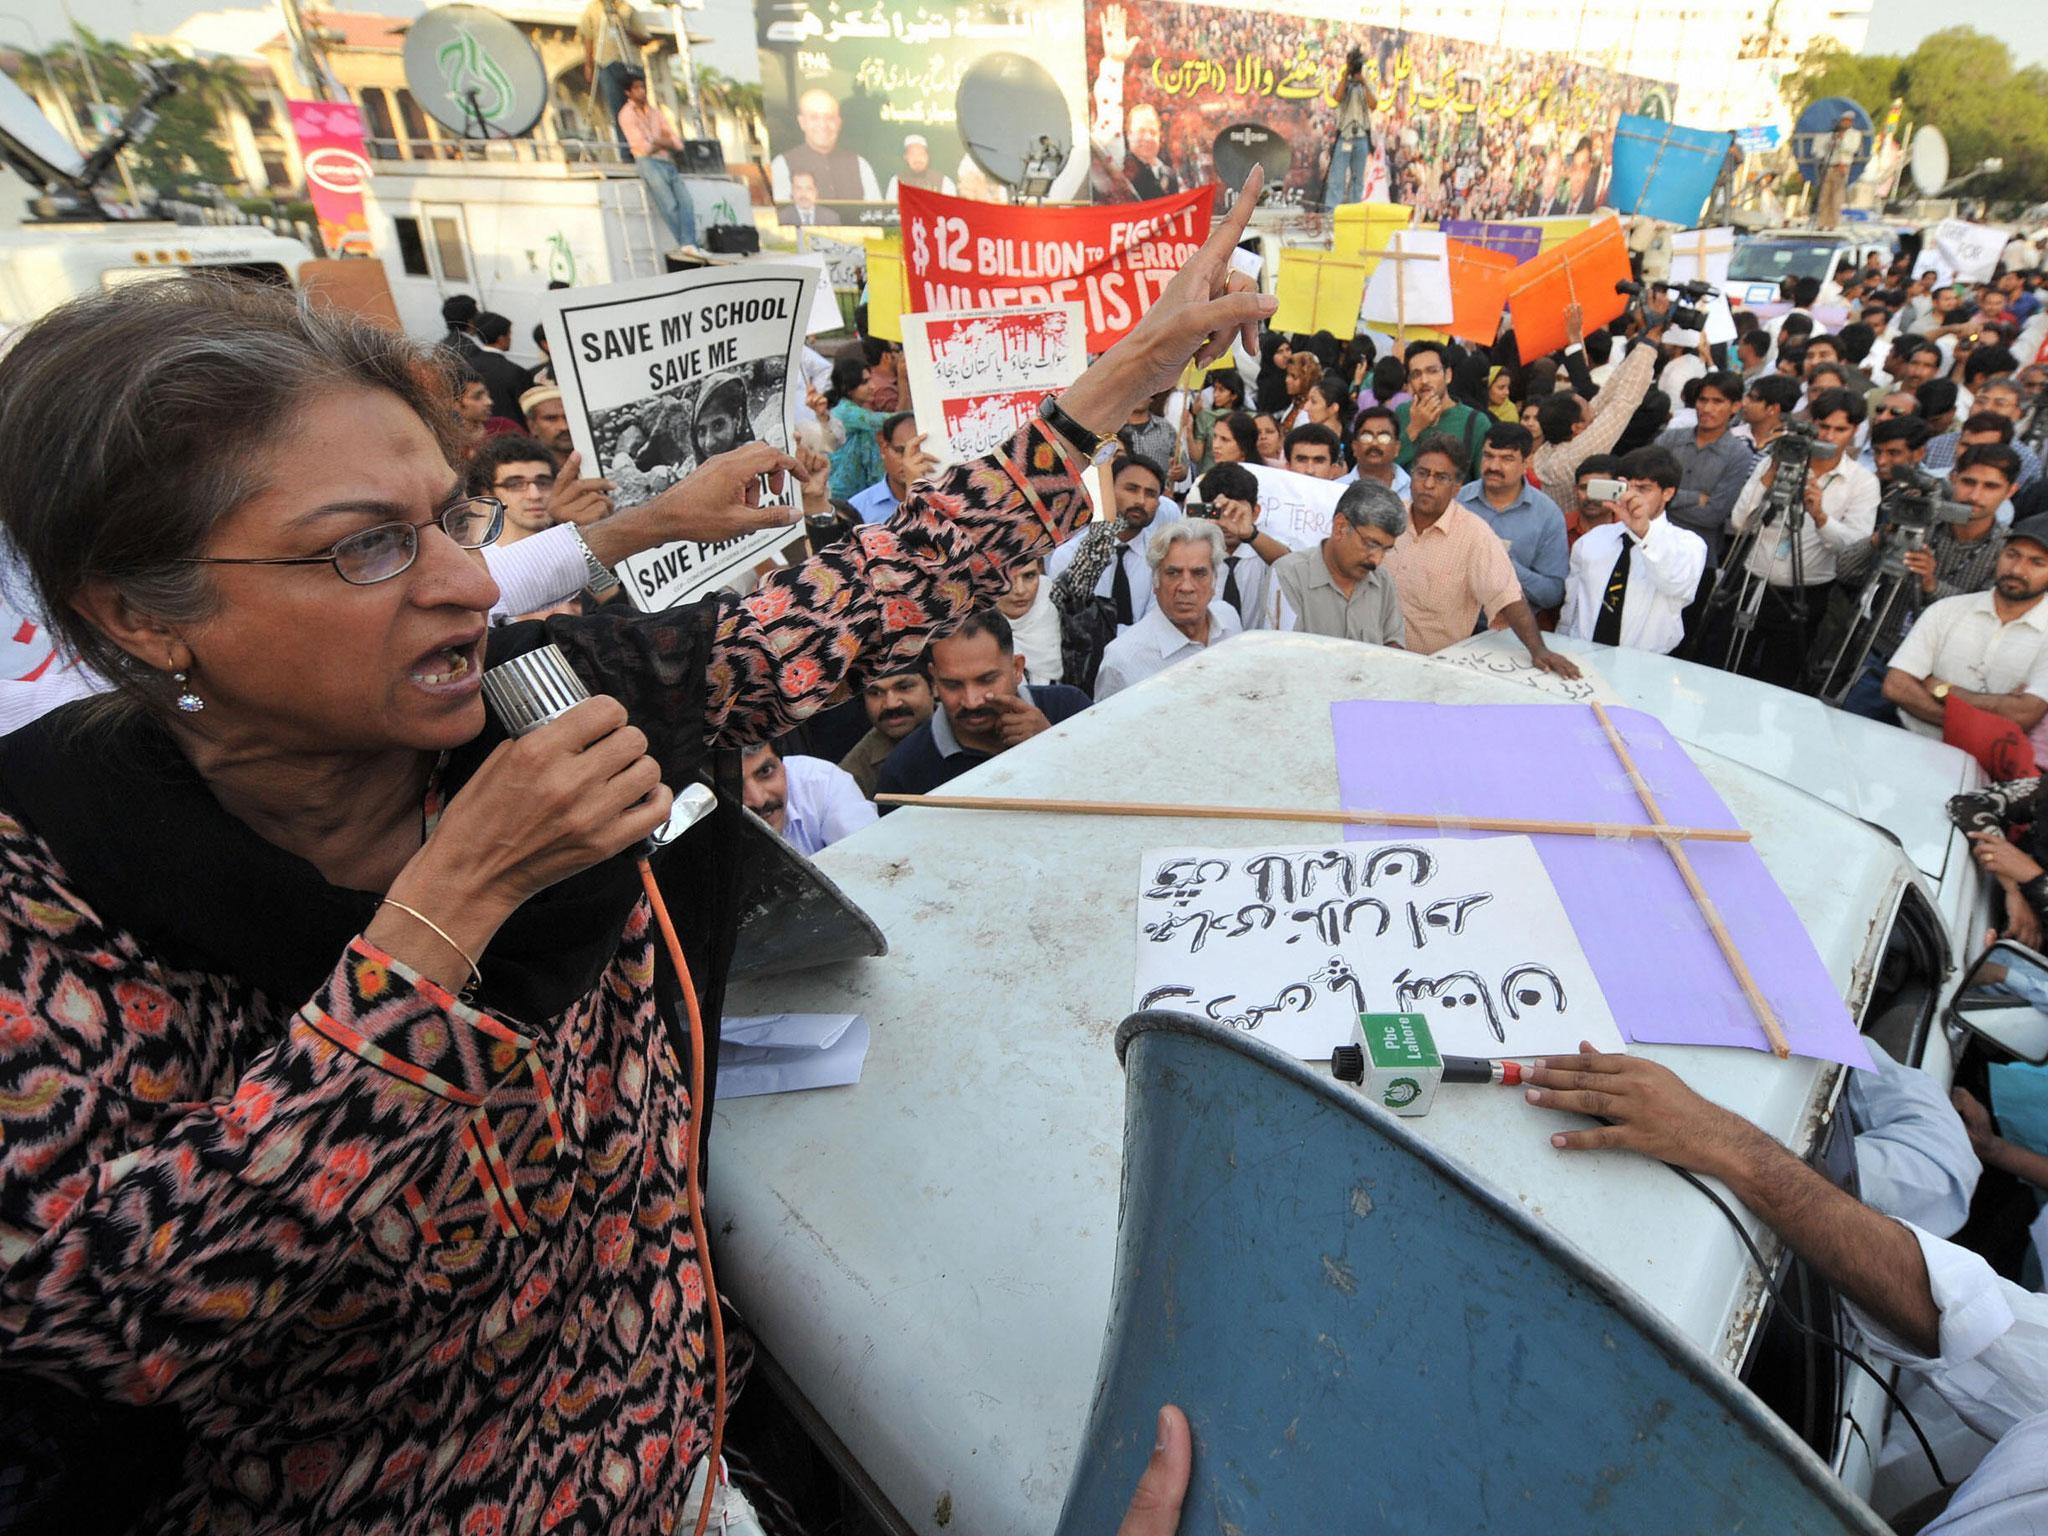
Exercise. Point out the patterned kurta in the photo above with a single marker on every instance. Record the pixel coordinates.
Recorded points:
(399, 1265)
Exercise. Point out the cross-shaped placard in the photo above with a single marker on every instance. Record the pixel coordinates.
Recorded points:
(1433, 306)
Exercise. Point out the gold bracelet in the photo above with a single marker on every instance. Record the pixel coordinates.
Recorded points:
(476, 974)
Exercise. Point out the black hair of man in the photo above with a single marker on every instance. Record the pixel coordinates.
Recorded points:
(540, 335)
(1937, 397)
(1689, 393)
(1806, 292)
(496, 452)
(1796, 328)
(1776, 389)
(1989, 362)
(1723, 382)
(1747, 323)
(983, 621)
(1830, 401)
(1906, 348)
(1512, 437)
(1231, 480)
(1824, 339)
(492, 327)
(1308, 435)
(556, 282)
(1989, 421)
(1417, 348)
(1124, 461)
(1910, 430)
(462, 375)
(1791, 352)
(1556, 415)
(1230, 379)
(1599, 348)
(1756, 343)
(1375, 413)
(886, 432)
(1652, 463)
(1993, 456)
(1856, 340)
(1444, 446)
(1598, 464)
(458, 310)
(1389, 377)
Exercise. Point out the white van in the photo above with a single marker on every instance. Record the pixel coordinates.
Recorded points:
(44, 265)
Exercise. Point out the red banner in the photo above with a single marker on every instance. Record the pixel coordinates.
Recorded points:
(1113, 261)
(337, 169)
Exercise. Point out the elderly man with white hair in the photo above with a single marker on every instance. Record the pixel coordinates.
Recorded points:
(1185, 616)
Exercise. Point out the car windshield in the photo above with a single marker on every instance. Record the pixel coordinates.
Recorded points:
(1761, 261)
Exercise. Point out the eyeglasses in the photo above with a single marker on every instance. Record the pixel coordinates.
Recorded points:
(1374, 437)
(389, 549)
(525, 483)
(1433, 476)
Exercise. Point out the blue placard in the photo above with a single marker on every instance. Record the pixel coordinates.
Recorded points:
(1757, 141)
(1520, 241)
(1664, 171)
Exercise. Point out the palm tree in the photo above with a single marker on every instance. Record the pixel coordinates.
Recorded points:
(741, 103)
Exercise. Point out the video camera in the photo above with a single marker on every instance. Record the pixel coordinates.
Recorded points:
(1797, 445)
(1913, 503)
(1687, 316)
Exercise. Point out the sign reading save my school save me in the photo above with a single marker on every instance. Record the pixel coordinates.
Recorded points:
(1113, 261)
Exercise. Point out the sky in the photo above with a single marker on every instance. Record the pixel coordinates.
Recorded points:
(1895, 26)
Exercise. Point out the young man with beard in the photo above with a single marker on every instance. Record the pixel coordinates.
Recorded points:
(984, 707)
(1137, 485)
(1989, 649)
(897, 704)
(808, 801)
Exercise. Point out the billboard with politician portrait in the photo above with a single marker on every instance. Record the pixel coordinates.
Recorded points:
(863, 98)
(1461, 130)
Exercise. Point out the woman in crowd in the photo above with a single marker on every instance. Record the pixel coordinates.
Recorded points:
(1276, 353)
(1272, 441)
(345, 1114)
(1388, 384)
(1226, 394)
(1328, 404)
(1236, 440)
(1500, 383)
(1303, 371)
(857, 461)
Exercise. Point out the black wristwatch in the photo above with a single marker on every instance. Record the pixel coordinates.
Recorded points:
(1089, 444)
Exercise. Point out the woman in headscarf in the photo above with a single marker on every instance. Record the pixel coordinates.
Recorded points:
(1275, 353)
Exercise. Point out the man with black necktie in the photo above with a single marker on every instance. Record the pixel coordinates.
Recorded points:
(1137, 486)
(1230, 495)
(1631, 579)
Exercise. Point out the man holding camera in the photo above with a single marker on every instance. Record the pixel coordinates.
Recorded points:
(1837, 511)
(1631, 578)
(1948, 560)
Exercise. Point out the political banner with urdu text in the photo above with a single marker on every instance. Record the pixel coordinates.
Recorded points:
(1112, 261)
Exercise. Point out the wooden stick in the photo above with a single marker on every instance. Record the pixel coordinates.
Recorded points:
(1759, 1004)
(1346, 818)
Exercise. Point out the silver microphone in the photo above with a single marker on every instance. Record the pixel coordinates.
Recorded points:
(528, 691)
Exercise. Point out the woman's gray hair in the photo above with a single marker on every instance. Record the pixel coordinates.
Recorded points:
(132, 422)
(1185, 530)
(1368, 504)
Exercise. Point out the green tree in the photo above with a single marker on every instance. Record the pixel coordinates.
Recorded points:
(1963, 83)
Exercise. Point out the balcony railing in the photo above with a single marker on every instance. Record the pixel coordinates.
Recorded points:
(598, 154)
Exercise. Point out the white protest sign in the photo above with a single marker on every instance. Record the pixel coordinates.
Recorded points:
(1509, 662)
(1292, 944)
(1957, 251)
(1702, 256)
(824, 314)
(977, 375)
(1411, 285)
(660, 374)
(1295, 509)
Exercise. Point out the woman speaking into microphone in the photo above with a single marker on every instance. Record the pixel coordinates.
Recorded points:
(340, 1120)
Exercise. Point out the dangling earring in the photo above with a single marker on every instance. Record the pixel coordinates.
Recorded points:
(188, 701)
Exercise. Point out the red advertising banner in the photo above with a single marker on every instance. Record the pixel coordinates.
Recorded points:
(337, 169)
(1113, 261)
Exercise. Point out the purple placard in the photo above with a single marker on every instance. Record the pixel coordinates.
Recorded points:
(1665, 979)
(1520, 241)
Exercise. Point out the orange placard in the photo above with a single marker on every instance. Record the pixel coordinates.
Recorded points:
(1583, 271)
(1479, 290)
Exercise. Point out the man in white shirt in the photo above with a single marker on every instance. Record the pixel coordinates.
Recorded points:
(1230, 496)
(1631, 579)
(1185, 616)
(1137, 486)
(1840, 510)
(811, 802)
(1989, 649)
(1979, 1341)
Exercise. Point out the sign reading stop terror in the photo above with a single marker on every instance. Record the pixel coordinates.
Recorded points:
(1113, 261)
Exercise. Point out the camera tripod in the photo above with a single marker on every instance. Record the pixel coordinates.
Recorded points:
(1881, 597)
(1738, 591)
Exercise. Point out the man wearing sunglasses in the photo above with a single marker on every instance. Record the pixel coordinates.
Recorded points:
(1375, 441)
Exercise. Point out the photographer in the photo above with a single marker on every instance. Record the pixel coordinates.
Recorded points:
(1631, 579)
(1839, 511)
(1956, 558)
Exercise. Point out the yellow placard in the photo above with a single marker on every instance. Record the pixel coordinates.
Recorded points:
(1319, 291)
(888, 287)
(1363, 229)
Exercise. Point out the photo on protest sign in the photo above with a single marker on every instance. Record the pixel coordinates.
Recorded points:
(661, 374)
(863, 99)
(1463, 129)
(1113, 261)
(978, 375)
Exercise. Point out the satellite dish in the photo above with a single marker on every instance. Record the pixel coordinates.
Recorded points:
(1816, 126)
(1929, 160)
(1243, 145)
(32, 141)
(1013, 118)
(475, 73)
